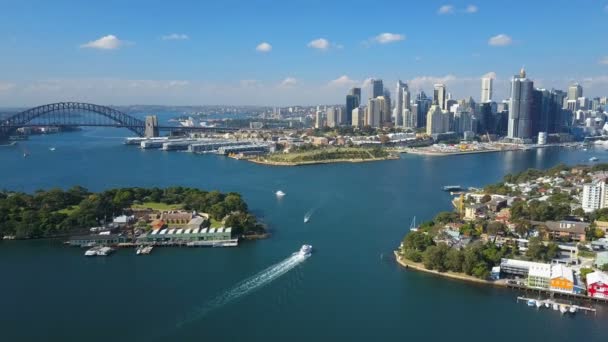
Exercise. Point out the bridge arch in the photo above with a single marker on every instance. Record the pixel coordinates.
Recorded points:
(61, 113)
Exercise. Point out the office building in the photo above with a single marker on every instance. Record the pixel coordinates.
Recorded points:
(520, 107)
(574, 92)
(319, 119)
(353, 100)
(440, 96)
(486, 89)
(332, 117)
(402, 101)
(423, 103)
(377, 88)
(358, 117)
(375, 111)
(437, 121)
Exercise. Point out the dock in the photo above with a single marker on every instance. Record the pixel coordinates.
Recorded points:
(552, 302)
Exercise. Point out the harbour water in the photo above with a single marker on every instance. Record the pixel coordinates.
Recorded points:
(349, 289)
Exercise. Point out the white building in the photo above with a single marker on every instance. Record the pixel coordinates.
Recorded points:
(594, 196)
(486, 89)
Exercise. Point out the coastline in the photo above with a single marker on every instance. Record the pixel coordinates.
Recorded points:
(425, 152)
(408, 264)
(314, 162)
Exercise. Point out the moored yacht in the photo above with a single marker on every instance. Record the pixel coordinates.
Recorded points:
(280, 193)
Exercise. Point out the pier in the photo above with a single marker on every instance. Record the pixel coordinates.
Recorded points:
(552, 302)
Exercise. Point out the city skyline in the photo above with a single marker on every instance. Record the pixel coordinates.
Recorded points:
(167, 55)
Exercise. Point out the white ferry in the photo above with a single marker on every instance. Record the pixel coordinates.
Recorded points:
(280, 193)
(593, 159)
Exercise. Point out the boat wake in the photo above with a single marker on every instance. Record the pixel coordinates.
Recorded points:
(247, 286)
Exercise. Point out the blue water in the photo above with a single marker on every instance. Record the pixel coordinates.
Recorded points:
(350, 289)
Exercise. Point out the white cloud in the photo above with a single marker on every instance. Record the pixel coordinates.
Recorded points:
(367, 82)
(263, 47)
(175, 36)
(288, 82)
(386, 38)
(109, 42)
(321, 44)
(490, 74)
(604, 60)
(500, 40)
(471, 9)
(341, 82)
(445, 9)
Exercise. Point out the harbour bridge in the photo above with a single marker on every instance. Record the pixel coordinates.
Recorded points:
(77, 114)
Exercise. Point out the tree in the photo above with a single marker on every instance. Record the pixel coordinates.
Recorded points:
(417, 241)
(433, 257)
(486, 198)
(584, 271)
(453, 260)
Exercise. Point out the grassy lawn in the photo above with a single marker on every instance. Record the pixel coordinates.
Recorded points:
(68, 211)
(157, 206)
(215, 223)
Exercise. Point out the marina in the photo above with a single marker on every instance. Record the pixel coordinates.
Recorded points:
(562, 307)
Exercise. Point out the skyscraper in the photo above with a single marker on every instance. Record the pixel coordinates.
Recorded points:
(424, 103)
(358, 117)
(319, 119)
(332, 117)
(440, 96)
(386, 113)
(435, 120)
(375, 111)
(520, 107)
(400, 91)
(410, 117)
(377, 88)
(574, 92)
(486, 89)
(352, 102)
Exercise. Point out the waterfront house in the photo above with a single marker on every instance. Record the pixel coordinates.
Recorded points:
(539, 275)
(496, 205)
(597, 284)
(86, 240)
(177, 218)
(562, 278)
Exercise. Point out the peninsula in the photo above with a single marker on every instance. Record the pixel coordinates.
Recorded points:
(543, 230)
(325, 155)
(127, 216)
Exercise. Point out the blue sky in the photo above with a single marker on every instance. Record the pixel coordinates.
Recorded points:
(199, 52)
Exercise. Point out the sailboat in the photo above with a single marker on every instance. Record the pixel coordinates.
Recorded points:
(413, 227)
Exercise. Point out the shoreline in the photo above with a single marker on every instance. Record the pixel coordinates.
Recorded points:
(315, 162)
(408, 264)
(420, 151)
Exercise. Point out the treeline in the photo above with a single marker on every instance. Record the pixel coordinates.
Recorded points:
(330, 154)
(56, 211)
(476, 259)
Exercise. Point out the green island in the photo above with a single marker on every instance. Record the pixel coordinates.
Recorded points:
(536, 229)
(130, 213)
(309, 154)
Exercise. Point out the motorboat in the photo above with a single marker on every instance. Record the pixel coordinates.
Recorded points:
(538, 304)
(531, 302)
(51, 149)
(563, 309)
(547, 305)
(280, 193)
(573, 309)
(306, 218)
(555, 307)
(91, 252)
(593, 159)
(305, 250)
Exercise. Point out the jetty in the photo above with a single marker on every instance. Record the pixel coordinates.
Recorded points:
(550, 303)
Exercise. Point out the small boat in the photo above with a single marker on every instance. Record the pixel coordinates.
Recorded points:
(547, 305)
(51, 149)
(413, 227)
(531, 302)
(305, 250)
(144, 250)
(555, 307)
(280, 193)
(538, 304)
(105, 251)
(450, 188)
(563, 309)
(25, 154)
(573, 309)
(306, 218)
(91, 252)
(593, 159)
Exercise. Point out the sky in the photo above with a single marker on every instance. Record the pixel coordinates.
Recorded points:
(263, 52)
